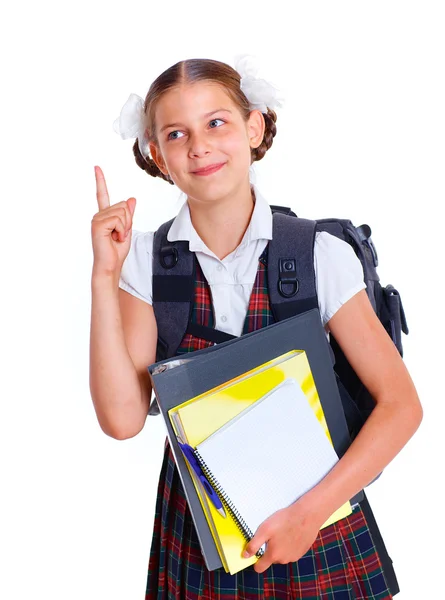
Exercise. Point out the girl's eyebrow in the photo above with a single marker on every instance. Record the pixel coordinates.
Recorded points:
(204, 116)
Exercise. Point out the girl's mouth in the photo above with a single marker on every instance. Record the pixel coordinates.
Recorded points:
(209, 169)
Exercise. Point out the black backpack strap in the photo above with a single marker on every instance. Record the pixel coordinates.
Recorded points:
(282, 209)
(360, 239)
(290, 266)
(209, 333)
(173, 290)
(385, 559)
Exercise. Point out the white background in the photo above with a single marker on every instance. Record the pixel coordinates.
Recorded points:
(361, 136)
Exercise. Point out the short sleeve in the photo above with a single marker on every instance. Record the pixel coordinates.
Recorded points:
(137, 270)
(338, 273)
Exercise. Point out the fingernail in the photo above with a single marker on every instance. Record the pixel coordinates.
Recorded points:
(246, 554)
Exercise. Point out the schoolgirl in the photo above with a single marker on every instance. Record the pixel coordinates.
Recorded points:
(200, 127)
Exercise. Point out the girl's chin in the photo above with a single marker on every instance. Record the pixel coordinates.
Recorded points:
(204, 186)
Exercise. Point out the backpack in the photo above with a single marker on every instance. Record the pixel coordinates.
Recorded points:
(292, 290)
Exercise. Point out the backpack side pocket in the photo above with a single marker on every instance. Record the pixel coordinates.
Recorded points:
(393, 316)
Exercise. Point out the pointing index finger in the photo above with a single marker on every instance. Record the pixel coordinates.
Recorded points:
(103, 199)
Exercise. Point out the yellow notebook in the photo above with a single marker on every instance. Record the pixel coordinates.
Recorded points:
(209, 510)
(208, 412)
(200, 417)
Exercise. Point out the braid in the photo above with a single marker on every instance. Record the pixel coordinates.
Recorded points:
(269, 133)
(148, 165)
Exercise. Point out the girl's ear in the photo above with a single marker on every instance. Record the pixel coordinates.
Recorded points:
(158, 158)
(255, 128)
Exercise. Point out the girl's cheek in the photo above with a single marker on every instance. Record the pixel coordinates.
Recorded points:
(175, 152)
(236, 144)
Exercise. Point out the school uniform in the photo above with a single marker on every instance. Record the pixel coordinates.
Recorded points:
(231, 295)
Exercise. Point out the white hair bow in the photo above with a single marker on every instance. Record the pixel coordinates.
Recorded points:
(259, 92)
(131, 122)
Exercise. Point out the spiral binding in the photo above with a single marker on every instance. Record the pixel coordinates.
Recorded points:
(240, 522)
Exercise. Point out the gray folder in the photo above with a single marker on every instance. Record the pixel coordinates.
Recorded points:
(200, 371)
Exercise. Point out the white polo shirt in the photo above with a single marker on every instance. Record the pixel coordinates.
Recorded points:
(339, 273)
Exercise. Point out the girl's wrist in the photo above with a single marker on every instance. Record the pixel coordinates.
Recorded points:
(104, 281)
(312, 506)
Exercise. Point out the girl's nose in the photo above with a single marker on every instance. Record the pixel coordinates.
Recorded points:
(199, 147)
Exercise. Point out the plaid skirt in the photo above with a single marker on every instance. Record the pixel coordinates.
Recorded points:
(342, 564)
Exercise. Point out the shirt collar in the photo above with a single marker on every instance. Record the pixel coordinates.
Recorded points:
(260, 226)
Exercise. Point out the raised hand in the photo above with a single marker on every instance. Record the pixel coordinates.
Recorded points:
(110, 230)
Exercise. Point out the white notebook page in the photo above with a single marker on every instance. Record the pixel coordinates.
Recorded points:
(270, 454)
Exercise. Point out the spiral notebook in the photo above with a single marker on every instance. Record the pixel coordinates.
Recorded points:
(267, 457)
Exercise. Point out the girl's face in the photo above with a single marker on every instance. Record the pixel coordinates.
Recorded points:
(203, 140)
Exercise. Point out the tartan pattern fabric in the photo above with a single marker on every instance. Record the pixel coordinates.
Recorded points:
(202, 313)
(259, 313)
(342, 564)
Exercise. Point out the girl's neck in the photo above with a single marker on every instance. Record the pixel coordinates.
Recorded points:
(221, 225)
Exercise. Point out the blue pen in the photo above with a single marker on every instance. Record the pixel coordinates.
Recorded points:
(192, 460)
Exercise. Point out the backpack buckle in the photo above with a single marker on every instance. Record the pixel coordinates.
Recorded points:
(288, 277)
(168, 257)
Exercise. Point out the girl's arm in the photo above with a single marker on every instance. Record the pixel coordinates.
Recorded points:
(395, 418)
(122, 344)
(290, 532)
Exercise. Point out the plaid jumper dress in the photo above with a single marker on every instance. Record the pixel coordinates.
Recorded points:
(342, 564)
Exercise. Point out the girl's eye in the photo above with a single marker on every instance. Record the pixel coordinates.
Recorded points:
(214, 121)
(174, 135)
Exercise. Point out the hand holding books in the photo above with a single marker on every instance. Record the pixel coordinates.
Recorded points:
(288, 535)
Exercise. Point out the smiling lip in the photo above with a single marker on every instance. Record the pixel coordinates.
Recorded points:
(209, 170)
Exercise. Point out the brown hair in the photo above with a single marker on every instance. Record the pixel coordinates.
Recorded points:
(191, 71)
